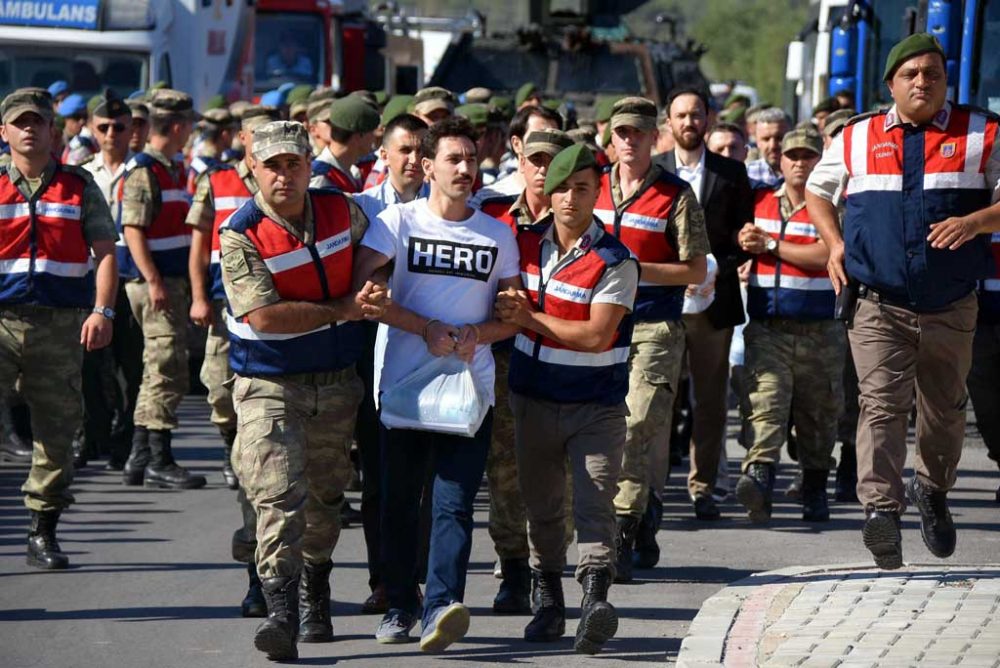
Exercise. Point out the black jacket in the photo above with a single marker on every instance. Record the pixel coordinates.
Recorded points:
(727, 200)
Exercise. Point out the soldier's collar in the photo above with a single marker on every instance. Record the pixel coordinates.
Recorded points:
(940, 120)
(158, 156)
(16, 175)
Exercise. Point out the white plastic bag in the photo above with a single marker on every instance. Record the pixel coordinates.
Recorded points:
(441, 396)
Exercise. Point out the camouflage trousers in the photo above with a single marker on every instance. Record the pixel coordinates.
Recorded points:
(508, 523)
(215, 370)
(165, 377)
(654, 371)
(245, 538)
(794, 370)
(292, 456)
(40, 353)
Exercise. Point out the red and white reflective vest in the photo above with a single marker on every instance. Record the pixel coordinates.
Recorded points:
(229, 193)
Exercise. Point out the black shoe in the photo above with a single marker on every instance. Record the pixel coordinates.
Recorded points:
(138, 459)
(882, 538)
(815, 504)
(162, 470)
(936, 526)
(228, 474)
(755, 489)
(625, 535)
(253, 604)
(349, 515)
(845, 490)
(314, 603)
(549, 623)
(43, 548)
(598, 618)
(647, 550)
(792, 444)
(377, 603)
(14, 449)
(705, 508)
(79, 447)
(277, 635)
(515, 588)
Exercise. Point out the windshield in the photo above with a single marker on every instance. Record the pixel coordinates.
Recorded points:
(600, 72)
(499, 69)
(288, 47)
(889, 24)
(986, 82)
(87, 72)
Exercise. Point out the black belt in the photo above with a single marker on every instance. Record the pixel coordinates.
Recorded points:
(869, 293)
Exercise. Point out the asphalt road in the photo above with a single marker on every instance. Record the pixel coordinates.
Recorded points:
(152, 583)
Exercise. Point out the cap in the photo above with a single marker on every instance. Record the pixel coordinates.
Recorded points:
(354, 114)
(255, 116)
(603, 108)
(299, 108)
(317, 110)
(298, 94)
(476, 113)
(584, 135)
(914, 45)
(566, 163)
(279, 138)
(217, 117)
(803, 138)
(322, 93)
(167, 101)
(750, 112)
(396, 106)
(110, 105)
(478, 94)
(828, 105)
(21, 102)
(365, 95)
(837, 120)
(546, 141)
(433, 98)
(524, 93)
(636, 112)
(72, 105)
(58, 87)
(138, 107)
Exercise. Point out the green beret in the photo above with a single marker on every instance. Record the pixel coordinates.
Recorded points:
(476, 113)
(828, 105)
(399, 104)
(606, 135)
(354, 114)
(215, 102)
(524, 92)
(736, 115)
(603, 108)
(914, 45)
(566, 163)
(503, 105)
(552, 103)
(738, 99)
(93, 102)
(381, 97)
(297, 94)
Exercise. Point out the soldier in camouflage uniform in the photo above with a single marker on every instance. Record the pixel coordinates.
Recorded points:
(154, 206)
(216, 198)
(47, 293)
(794, 348)
(294, 342)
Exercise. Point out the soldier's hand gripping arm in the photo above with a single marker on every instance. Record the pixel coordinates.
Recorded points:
(198, 260)
(97, 329)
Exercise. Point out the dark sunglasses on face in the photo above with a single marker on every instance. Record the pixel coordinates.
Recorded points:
(104, 127)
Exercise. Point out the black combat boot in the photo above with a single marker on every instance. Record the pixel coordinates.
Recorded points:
(162, 470)
(815, 504)
(882, 537)
(647, 550)
(138, 459)
(845, 490)
(515, 588)
(277, 635)
(229, 437)
(253, 604)
(79, 446)
(13, 448)
(936, 526)
(314, 603)
(598, 618)
(549, 623)
(755, 489)
(628, 528)
(43, 548)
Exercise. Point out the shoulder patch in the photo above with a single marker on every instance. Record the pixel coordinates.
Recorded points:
(235, 264)
(321, 168)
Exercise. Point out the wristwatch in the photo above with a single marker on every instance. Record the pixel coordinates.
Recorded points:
(106, 311)
(772, 246)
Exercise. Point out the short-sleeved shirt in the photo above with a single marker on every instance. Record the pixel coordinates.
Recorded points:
(141, 192)
(106, 179)
(761, 173)
(247, 281)
(446, 270)
(618, 284)
(378, 198)
(686, 224)
(202, 212)
(95, 216)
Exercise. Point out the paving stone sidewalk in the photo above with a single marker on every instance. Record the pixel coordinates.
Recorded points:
(851, 617)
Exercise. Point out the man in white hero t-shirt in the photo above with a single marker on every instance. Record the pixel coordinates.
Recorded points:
(449, 262)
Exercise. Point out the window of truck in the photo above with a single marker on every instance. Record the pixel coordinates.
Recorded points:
(288, 47)
(87, 72)
(986, 73)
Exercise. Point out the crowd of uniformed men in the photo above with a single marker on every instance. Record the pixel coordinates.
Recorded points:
(595, 275)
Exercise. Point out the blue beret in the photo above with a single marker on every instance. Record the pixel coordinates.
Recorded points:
(58, 88)
(73, 105)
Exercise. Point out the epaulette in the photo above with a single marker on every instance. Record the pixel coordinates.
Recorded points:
(321, 167)
(868, 114)
(992, 115)
(243, 218)
(77, 170)
(139, 160)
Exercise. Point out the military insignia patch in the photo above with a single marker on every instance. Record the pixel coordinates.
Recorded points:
(948, 149)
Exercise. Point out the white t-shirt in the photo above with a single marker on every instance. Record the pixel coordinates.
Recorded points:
(447, 270)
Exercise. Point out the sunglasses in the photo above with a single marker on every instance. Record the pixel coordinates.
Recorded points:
(104, 127)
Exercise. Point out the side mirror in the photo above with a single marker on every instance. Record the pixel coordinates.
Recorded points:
(795, 61)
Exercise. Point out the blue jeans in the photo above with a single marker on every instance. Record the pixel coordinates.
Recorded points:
(457, 463)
